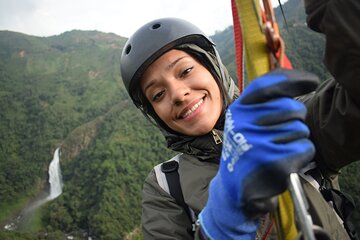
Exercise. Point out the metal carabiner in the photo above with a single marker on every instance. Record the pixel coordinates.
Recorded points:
(301, 207)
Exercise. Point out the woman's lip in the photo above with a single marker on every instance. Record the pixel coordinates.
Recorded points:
(191, 108)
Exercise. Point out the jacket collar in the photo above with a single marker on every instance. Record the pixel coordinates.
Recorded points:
(203, 147)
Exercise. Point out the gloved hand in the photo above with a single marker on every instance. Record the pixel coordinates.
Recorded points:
(265, 140)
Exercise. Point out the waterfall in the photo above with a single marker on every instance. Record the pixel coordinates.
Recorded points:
(55, 178)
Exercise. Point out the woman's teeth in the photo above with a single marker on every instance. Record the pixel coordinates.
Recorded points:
(190, 111)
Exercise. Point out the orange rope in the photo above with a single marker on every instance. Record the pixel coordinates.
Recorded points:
(273, 39)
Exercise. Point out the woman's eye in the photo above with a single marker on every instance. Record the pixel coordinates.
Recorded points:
(157, 96)
(186, 71)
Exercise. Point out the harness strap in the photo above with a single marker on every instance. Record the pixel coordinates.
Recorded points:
(250, 42)
(168, 178)
(173, 179)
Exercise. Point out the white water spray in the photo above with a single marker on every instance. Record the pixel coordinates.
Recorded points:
(55, 178)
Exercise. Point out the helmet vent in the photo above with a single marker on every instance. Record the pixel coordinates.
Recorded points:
(128, 49)
(156, 26)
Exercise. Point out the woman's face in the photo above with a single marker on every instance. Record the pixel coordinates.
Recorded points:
(183, 93)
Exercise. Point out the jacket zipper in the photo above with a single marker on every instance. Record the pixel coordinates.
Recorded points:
(216, 137)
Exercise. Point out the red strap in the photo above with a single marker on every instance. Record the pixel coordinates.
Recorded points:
(239, 55)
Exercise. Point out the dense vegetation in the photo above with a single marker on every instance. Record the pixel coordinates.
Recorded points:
(66, 91)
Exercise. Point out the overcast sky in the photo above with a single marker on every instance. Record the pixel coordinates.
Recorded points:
(122, 17)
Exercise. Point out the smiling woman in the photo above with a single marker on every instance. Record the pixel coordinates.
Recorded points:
(176, 77)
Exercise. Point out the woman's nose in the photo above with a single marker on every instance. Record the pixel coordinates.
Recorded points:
(179, 91)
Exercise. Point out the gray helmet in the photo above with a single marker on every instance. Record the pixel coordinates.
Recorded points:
(150, 42)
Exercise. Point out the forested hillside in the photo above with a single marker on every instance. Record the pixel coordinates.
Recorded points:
(66, 91)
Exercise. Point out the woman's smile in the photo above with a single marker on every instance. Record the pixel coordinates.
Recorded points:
(191, 112)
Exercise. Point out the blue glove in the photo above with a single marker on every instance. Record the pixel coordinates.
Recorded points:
(265, 140)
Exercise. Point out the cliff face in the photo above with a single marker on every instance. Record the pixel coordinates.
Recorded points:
(79, 139)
